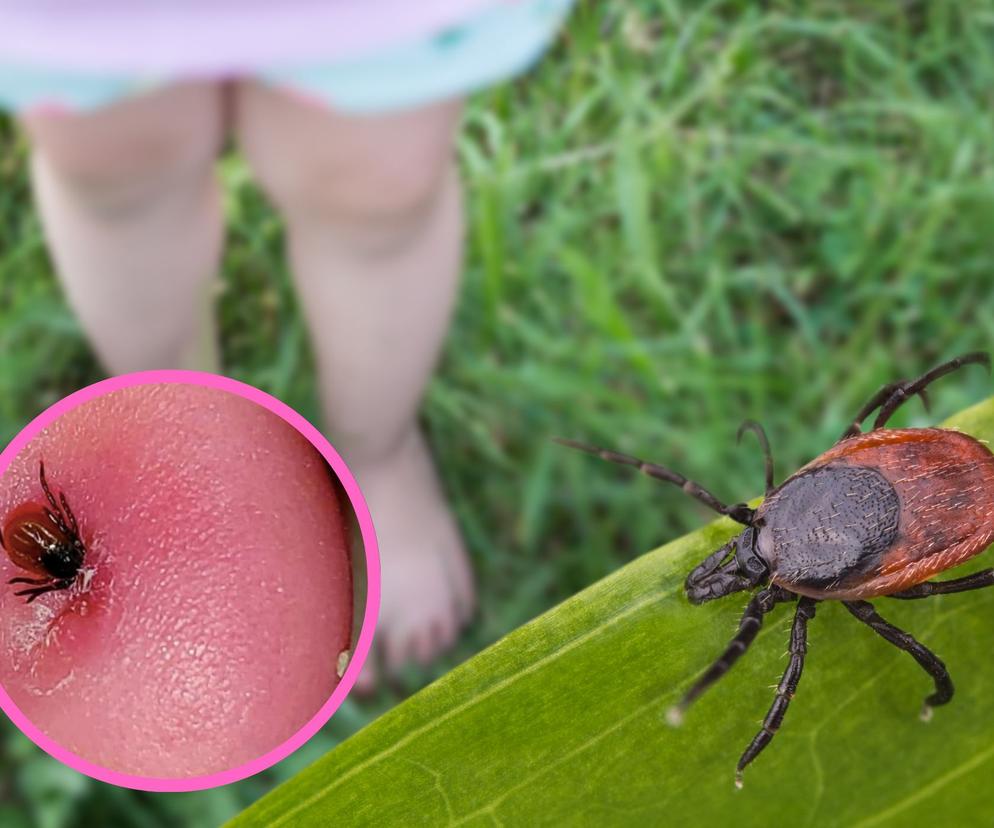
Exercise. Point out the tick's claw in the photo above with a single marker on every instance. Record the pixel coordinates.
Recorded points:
(926, 714)
(738, 780)
(674, 716)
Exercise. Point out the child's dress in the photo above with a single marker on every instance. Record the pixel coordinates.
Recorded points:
(356, 55)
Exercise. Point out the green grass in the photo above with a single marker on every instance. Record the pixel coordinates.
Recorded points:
(689, 214)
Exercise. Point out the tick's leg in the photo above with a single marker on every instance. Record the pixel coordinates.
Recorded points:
(55, 513)
(70, 517)
(52, 587)
(44, 486)
(63, 516)
(907, 390)
(29, 581)
(56, 518)
(873, 404)
(929, 661)
(785, 690)
(739, 512)
(978, 580)
(757, 429)
(752, 619)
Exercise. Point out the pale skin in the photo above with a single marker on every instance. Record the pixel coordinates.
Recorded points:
(131, 209)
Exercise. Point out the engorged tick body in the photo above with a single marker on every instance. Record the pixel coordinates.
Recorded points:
(878, 514)
(44, 540)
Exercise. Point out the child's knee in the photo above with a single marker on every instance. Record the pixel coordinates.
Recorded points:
(351, 187)
(377, 191)
(359, 173)
(377, 208)
(123, 156)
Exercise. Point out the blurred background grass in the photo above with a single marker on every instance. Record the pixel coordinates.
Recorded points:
(690, 213)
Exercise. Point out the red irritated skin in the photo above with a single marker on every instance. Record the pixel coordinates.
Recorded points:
(205, 625)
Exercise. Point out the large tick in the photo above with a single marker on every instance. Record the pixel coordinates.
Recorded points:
(878, 514)
(44, 540)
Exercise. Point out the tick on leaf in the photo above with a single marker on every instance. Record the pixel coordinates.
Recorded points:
(876, 515)
(44, 540)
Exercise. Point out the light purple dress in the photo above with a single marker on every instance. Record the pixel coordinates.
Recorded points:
(171, 37)
(354, 55)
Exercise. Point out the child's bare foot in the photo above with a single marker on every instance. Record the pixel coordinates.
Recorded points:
(427, 583)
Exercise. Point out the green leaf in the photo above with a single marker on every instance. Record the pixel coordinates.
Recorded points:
(563, 721)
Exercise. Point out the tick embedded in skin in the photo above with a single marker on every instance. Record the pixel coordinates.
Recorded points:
(44, 540)
(876, 515)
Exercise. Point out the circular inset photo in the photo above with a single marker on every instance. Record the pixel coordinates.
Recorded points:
(183, 558)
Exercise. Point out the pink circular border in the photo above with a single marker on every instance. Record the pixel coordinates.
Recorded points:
(284, 412)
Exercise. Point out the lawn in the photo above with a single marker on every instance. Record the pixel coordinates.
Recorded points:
(688, 214)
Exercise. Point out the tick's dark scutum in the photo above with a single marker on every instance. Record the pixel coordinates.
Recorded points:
(828, 523)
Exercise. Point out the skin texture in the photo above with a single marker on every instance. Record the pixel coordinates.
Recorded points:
(216, 594)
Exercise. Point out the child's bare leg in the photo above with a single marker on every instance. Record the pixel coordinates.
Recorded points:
(131, 210)
(373, 212)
